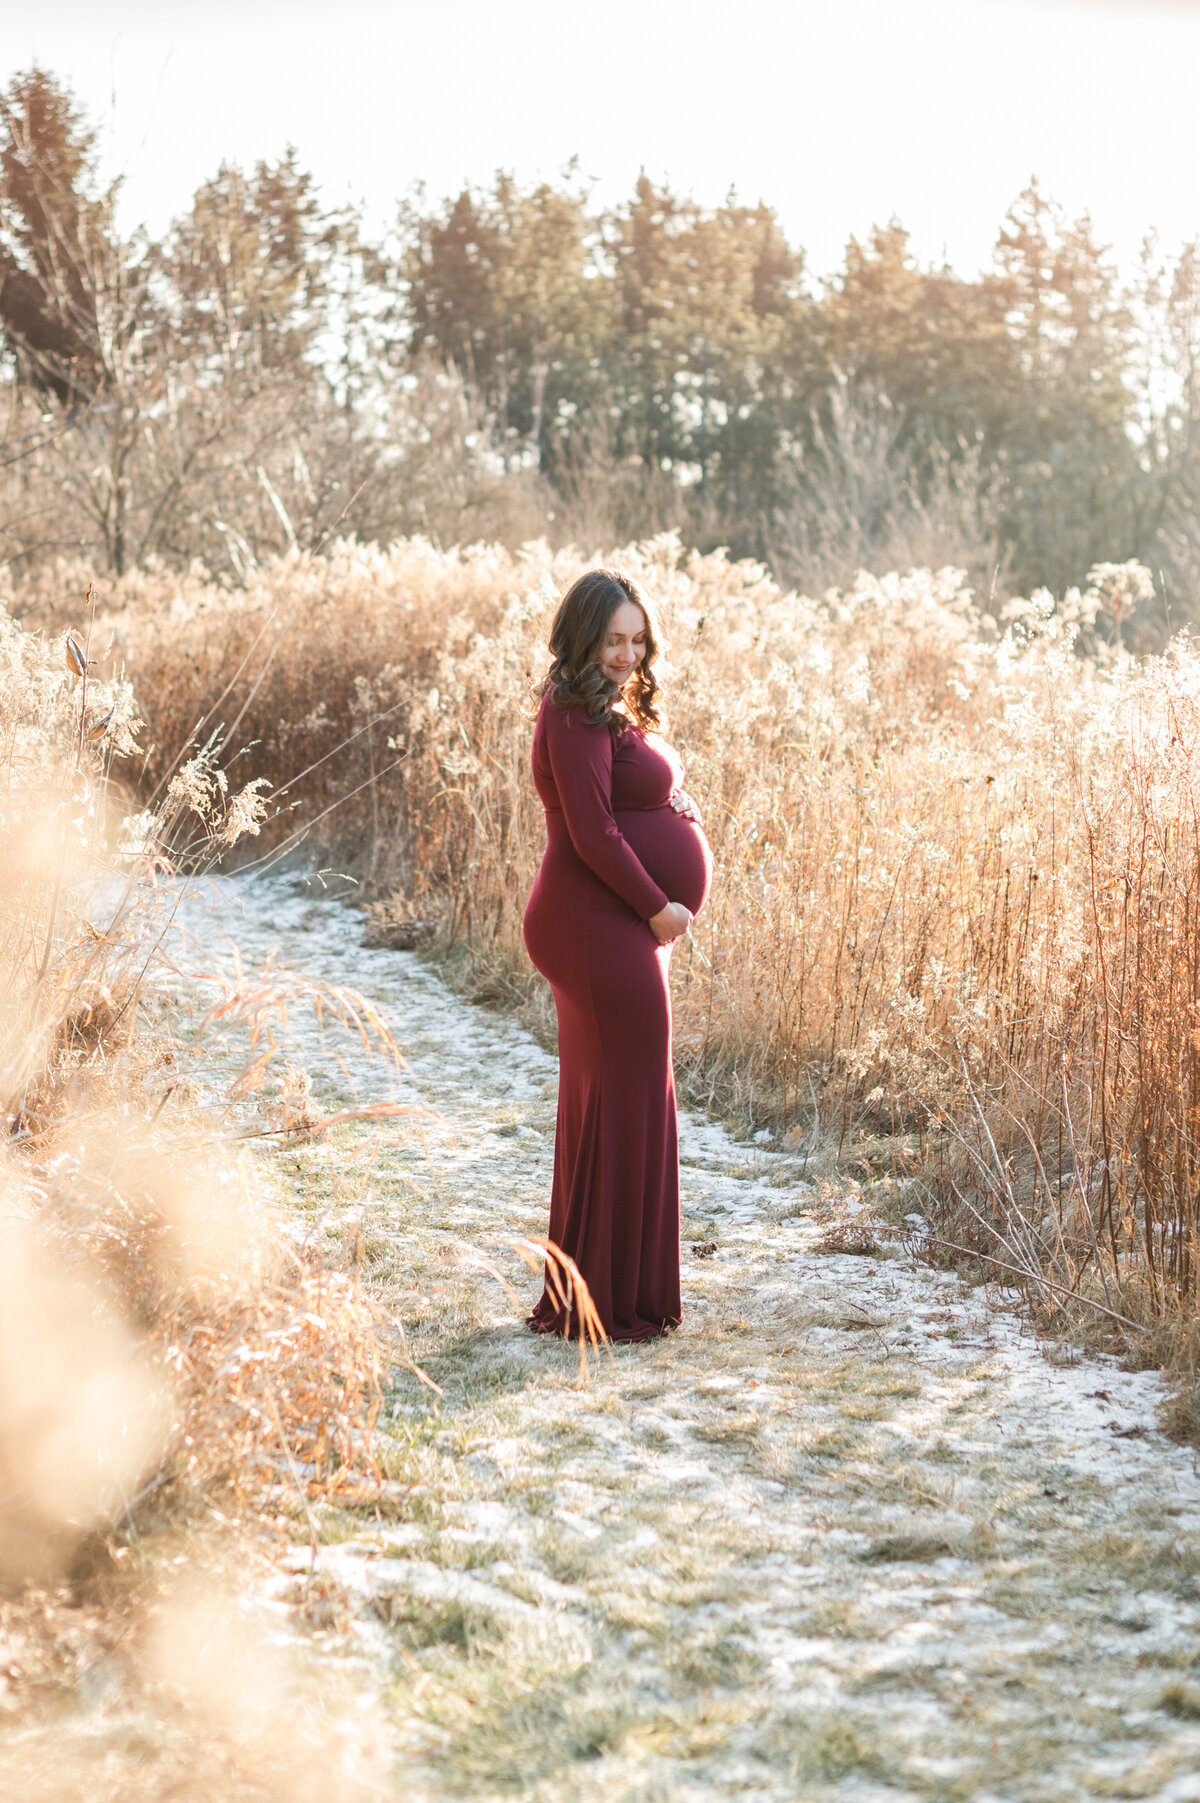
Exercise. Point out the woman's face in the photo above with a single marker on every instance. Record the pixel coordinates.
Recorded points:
(626, 645)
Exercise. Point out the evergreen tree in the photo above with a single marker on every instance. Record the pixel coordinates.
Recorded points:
(1072, 472)
(61, 290)
(509, 287)
(707, 306)
(248, 264)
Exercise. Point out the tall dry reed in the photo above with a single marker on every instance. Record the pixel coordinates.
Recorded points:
(168, 1360)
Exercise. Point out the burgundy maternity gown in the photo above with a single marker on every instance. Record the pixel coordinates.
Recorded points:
(616, 854)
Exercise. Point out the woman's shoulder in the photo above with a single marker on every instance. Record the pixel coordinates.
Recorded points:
(555, 719)
(568, 734)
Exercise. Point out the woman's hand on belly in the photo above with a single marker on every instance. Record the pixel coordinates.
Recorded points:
(671, 922)
(683, 804)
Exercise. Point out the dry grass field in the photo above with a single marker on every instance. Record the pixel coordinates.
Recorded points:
(954, 926)
(849, 1533)
(945, 1001)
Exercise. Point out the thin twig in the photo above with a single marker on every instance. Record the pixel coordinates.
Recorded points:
(1036, 1277)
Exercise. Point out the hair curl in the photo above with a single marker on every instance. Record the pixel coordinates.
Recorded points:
(578, 636)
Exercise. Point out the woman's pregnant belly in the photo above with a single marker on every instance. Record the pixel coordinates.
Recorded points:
(673, 851)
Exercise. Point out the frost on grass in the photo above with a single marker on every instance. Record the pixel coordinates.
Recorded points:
(848, 1532)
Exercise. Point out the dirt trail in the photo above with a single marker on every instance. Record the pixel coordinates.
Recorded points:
(847, 1533)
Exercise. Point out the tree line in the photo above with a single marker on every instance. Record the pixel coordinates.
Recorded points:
(517, 361)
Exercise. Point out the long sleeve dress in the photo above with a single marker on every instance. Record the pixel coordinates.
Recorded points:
(616, 854)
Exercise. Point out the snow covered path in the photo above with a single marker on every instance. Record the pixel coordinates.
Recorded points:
(848, 1533)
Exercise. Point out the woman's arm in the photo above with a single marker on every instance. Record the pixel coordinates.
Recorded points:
(581, 758)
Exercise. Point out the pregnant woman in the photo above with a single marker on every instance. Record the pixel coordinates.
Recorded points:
(626, 870)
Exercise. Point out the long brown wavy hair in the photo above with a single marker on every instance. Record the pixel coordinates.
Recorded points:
(578, 636)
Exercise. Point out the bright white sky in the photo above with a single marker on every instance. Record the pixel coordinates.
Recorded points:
(840, 113)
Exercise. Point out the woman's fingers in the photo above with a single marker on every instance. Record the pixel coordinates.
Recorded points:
(670, 923)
